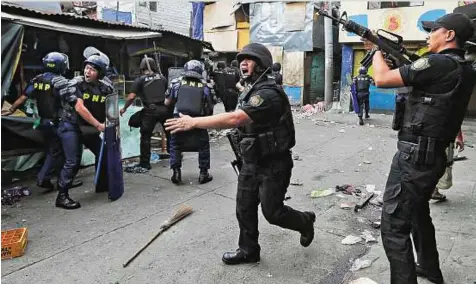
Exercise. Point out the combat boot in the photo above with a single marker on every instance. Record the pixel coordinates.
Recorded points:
(65, 202)
(361, 121)
(239, 257)
(308, 234)
(420, 271)
(367, 116)
(177, 176)
(204, 176)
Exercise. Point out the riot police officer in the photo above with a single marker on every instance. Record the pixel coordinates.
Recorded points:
(232, 77)
(266, 134)
(151, 88)
(192, 97)
(434, 111)
(277, 73)
(218, 76)
(82, 118)
(41, 88)
(362, 84)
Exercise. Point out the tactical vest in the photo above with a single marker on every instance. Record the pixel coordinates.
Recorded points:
(154, 89)
(45, 97)
(230, 79)
(219, 76)
(191, 97)
(94, 97)
(440, 116)
(68, 92)
(275, 136)
(362, 83)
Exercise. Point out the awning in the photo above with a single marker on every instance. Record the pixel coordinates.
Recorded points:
(115, 33)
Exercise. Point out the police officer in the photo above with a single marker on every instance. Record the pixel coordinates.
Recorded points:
(219, 78)
(151, 88)
(191, 96)
(232, 77)
(362, 84)
(277, 73)
(267, 134)
(41, 88)
(82, 118)
(442, 85)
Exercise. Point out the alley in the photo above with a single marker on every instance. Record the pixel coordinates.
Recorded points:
(90, 245)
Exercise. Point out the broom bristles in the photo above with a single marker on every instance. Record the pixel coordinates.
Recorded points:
(181, 213)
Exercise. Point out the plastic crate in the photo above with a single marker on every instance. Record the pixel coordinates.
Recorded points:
(14, 242)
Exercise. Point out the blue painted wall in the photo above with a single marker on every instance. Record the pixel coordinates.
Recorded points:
(382, 99)
(294, 94)
(346, 75)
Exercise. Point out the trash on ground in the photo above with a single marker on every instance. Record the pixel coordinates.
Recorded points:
(367, 236)
(376, 225)
(351, 240)
(296, 157)
(287, 198)
(14, 194)
(363, 280)
(347, 189)
(372, 126)
(14, 242)
(346, 205)
(342, 131)
(296, 182)
(321, 193)
(370, 148)
(360, 263)
(135, 169)
(364, 203)
(367, 162)
(154, 158)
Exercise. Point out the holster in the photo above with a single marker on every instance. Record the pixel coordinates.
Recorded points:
(267, 143)
(249, 149)
(397, 122)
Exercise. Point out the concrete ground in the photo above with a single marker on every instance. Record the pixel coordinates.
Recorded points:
(89, 245)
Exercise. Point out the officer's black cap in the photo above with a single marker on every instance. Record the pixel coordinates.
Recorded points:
(459, 23)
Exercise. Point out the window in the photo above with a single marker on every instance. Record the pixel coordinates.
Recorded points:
(143, 3)
(372, 5)
(153, 6)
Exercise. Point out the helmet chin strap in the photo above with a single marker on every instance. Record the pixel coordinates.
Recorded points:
(258, 72)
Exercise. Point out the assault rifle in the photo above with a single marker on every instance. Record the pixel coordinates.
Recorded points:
(233, 138)
(157, 58)
(389, 43)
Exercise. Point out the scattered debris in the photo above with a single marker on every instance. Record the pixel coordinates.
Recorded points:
(367, 162)
(269, 275)
(296, 157)
(376, 224)
(351, 240)
(372, 126)
(370, 148)
(342, 131)
(135, 169)
(363, 280)
(296, 182)
(321, 193)
(12, 195)
(346, 206)
(347, 189)
(360, 263)
(287, 198)
(362, 220)
(364, 203)
(154, 158)
(367, 236)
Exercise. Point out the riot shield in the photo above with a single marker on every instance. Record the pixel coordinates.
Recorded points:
(91, 50)
(112, 142)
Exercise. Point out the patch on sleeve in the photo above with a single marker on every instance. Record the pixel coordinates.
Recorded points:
(256, 101)
(420, 64)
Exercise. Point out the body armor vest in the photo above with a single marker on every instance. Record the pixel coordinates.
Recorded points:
(68, 91)
(154, 89)
(440, 116)
(191, 97)
(230, 79)
(219, 76)
(94, 97)
(362, 83)
(45, 96)
(276, 136)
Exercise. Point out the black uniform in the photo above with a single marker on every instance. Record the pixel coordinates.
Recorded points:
(151, 89)
(267, 165)
(278, 78)
(442, 85)
(362, 85)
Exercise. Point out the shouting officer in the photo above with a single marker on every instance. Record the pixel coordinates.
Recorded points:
(192, 97)
(277, 73)
(55, 65)
(442, 85)
(86, 96)
(267, 134)
(151, 88)
(361, 84)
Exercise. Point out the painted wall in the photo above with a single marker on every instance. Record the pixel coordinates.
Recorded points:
(405, 21)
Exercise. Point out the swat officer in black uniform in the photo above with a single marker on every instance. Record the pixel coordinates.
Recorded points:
(266, 134)
(193, 97)
(82, 118)
(219, 78)
(277, 73)
(41, 88)
(151, 88)
(442, 85)
(232, 77)
(362, 85)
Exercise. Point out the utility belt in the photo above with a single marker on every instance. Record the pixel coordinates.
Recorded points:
(253, 147)
(423, 152)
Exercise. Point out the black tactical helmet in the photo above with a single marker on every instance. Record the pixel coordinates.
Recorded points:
(257, 52)
(234, 63)
(276, 66)
(99, 63)
(362, 70)
(56, 62)
(221, 64)
(143, 64)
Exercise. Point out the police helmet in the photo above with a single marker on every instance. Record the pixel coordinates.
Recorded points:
(234, 63)
(99, 63)
(221, 64)
(362, 70)
(276, 67)
(152, 64)
(56, 62)
(193, 69)
(257, 52)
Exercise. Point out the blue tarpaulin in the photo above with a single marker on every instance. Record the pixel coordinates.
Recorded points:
(116, 16)
(197, 20)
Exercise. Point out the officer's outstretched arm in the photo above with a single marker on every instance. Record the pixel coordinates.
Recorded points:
(222, 120)
(86, 115)
(129, 100)
(20, 101)
(383, 75)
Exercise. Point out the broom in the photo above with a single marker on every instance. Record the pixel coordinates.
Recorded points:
(181, 213)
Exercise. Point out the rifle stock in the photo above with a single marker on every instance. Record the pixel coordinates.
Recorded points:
(233, 139)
